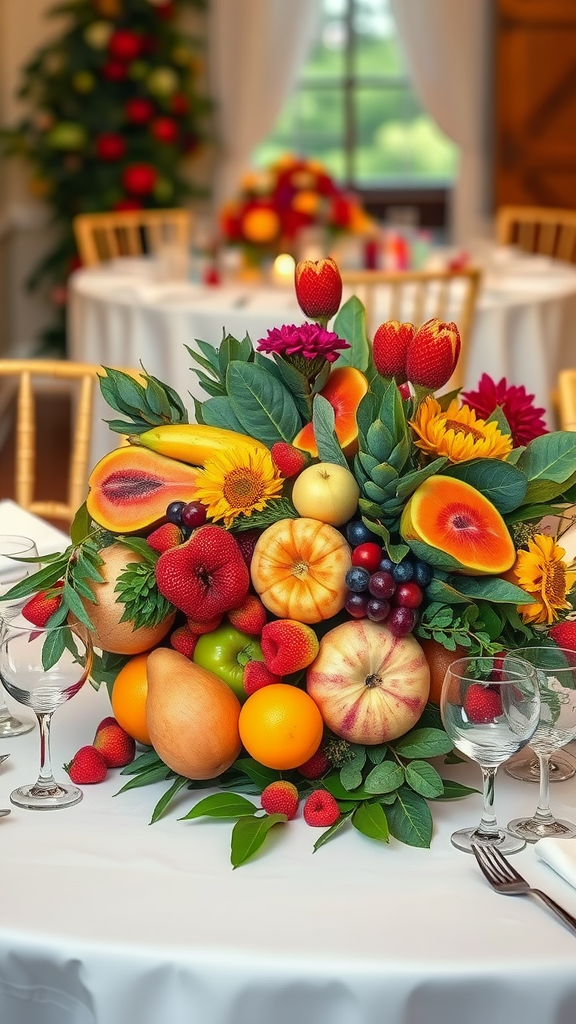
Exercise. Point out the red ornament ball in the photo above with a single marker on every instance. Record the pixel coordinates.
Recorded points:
(124, 45)
(127, 204)
(110, 146)
(179, 104)
(164, 129)
(139, 179)
(139, 110)
(114, 71)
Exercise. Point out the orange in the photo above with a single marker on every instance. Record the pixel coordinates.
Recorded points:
(129, 698)
(438, 659)
(280, 726)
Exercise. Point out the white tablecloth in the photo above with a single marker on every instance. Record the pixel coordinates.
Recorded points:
(105, 920)
(525, 325)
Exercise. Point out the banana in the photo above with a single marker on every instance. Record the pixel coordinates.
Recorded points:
(192, 442)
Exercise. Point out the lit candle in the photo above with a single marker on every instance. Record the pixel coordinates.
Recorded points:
(283, 269)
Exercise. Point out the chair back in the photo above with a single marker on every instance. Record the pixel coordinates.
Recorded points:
(566, 403)
(27, 374)
(417, 296)
(538, 229)
(106, 236)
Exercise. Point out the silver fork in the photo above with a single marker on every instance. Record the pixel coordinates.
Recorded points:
(505, 879)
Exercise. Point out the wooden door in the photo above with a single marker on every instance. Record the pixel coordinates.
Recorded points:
(535, 158)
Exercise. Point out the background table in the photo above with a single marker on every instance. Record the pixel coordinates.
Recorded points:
(525, 326)
(105, 920)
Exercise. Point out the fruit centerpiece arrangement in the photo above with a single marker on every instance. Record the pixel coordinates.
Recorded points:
(276, 589)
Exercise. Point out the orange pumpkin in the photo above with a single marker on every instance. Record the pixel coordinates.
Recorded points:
(298, 569)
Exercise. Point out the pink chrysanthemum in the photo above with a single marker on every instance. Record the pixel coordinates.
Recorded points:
(525, 419)
(309, 341)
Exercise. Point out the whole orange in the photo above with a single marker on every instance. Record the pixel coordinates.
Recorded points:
(129, 698)
(280, 726)
(439, 659)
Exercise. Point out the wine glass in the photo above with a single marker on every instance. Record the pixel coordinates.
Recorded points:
(527, 769)
(13, 547)
(556, 676)
(490, 710)
(43, 668)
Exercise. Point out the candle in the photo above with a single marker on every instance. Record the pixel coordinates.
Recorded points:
(283, 269)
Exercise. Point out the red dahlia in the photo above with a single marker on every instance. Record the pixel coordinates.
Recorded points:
(525, 419)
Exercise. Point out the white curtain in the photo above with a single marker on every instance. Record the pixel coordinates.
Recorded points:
(447, 46)
(257, 48)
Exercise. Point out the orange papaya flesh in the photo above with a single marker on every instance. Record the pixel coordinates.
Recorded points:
(345, 389)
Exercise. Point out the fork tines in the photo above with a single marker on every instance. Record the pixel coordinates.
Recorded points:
(494, 864)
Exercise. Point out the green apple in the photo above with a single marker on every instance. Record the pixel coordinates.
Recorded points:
(225, 651)
(326, 492)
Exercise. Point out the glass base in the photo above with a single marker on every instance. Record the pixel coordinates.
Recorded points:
(504, 841)
(527, 769)
(34, 798)
(532, 830)
(11, 726)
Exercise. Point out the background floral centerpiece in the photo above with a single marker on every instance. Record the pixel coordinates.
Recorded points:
(277, 588)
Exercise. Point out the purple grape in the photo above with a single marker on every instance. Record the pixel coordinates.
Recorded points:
(194, 514)
(377, 610)
(174, 512)
(401, 621)
(382, 585)
(356, 605)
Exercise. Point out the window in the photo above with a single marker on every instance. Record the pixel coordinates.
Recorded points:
(354, 108)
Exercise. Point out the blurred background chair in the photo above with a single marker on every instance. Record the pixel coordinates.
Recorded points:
(106, 236)
(416, 296)
(538, 229)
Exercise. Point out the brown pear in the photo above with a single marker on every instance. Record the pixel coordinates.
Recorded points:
(192, 716)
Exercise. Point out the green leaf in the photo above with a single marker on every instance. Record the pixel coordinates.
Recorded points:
(411, 481)
(248, 835)
(40, 580)
(497, 416)
(548, 490)
(489, 588)
(75, 605)
(333, 785)
(179, 782)
(351, 772)
(85, 568)
(424, 779)
(218, 412)
(210, 386)
(409, 819)
(370, 820)
(344, 817)
(263, 405)
(455, 790)
(53, 648)
(350, 324)
(221, 805)
(158, 773)
(394, 551)
(275, 510)
(329, 449)
(384, 778)
(423, 743)
(528, 513)
(503, 484)
(80, 527)
(551, 457)
(257, 772)
(230, 350)
(209, 352)
(141, 547)
(143, 763)
(298, 386)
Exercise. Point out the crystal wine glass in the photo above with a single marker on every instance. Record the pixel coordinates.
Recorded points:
(44, 668)
(12, 547)
(556, 677)
(490, 711)
(527, 769)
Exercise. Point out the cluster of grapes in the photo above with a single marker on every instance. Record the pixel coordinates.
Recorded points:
(380, 589)
(188, 515)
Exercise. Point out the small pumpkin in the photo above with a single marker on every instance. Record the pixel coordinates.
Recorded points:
(298, 568)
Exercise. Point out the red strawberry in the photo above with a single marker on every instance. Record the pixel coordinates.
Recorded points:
(256, 675)
(389, 349)
(280, 798)
(246, 541)
(318, 288)
(288, 646)
(250, 616)
(165, 537)
(205, 576)
(184, 640)
(204, 627)
(42, 605)
(321, 809)
(564, 634)
(433, 353)
(104, 723)
(116, 747)
(86, 767)
(482, 704)
(315, 766)
(288, 459)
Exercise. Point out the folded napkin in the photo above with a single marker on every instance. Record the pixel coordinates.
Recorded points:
(559, 854)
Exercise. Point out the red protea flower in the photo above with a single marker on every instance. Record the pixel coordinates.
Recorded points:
(390, 347)
(318, 288)
(308, 340)
(432, 354)
(524, 418)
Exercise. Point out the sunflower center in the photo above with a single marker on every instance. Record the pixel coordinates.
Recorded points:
(554, 582)
(464, 428)
(242, 488)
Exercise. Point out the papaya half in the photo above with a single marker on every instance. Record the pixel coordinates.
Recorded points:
(345, 389)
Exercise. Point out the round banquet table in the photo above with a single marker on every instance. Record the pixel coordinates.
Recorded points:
(524, 330)
(105, 920)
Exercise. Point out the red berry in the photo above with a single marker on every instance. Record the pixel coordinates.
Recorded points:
(408, 595)
(193, 514)
(482, 704)
(321, 809)
(288, 460)
(367, 555)
(39, 608)
(87, 767)
(280, 798)
(401, 621)
(116, 747)
(167, 536)
(564, 634)
(315, 766)
(256, 675)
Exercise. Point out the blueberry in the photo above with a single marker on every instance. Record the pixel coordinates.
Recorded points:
(403, 572)
(386, 565)
(357, 579)
(357, 533)
(422, 573)
(174, 512)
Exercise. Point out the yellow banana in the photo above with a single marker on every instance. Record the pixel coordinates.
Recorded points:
(192, 442)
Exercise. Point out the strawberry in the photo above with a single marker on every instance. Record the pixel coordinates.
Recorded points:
(42, 605)
(165, 537)
(389, 349)
(104, 723)
(250, 616)
(318, 288)
(184, 640)
(280, 798)
(206, 576)
(204, 627)
(256, 675)
(86, 767)
(246, 541)
(564, 634)
(288, 646)
(433, 353)
(315, 766)
(116, 747)
(288, 459)
(482, 704)
(321, 809)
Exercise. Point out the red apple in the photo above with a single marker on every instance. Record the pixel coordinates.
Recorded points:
(370, 686)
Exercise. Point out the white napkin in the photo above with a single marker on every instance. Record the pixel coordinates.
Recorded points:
(560, 855)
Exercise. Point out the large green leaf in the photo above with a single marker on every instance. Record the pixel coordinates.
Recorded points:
(425, 742)
(384, 778)
(550, 457)
(248, 835)
(263, 405)
(218, 412)
(221, 805)
(370, 820)
(411, 481)
(489, 588)
(350, 324)
(329, 449)
(504, 485)
(297, 384)
(409, 818)
(423, 778)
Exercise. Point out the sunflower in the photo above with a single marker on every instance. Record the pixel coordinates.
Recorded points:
(237, 482)
(543, 574)
(457, 433)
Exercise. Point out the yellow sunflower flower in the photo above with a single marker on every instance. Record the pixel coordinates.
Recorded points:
(543, 574)
(237, 482)
(457, 433)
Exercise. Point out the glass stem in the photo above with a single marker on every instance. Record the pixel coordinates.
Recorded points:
(543, 815)
(488, 825)
(4, 710)
(46, 781)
